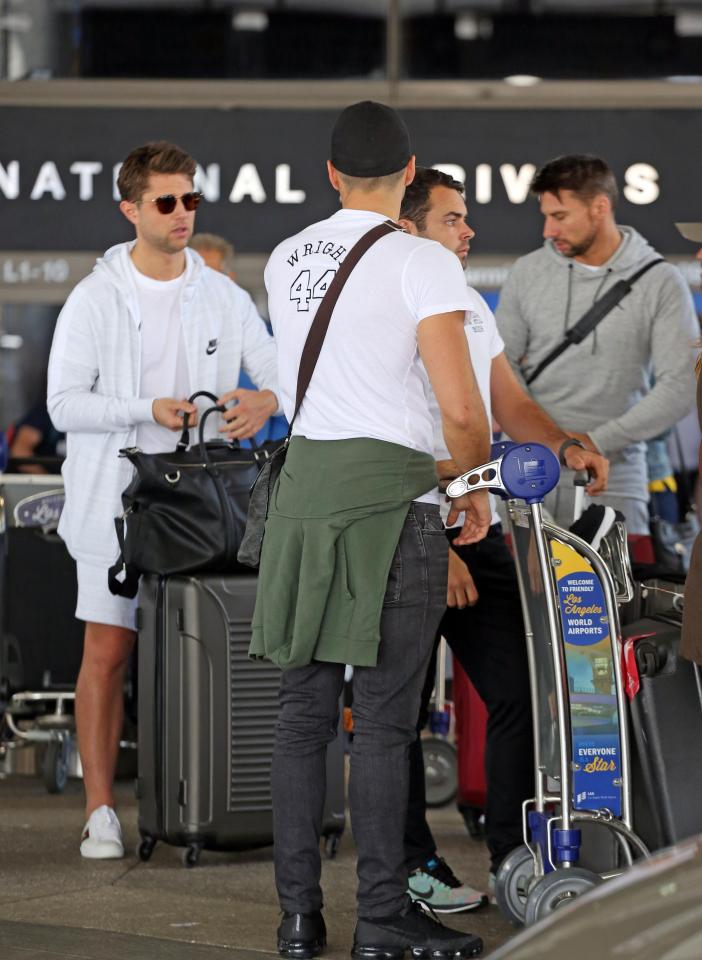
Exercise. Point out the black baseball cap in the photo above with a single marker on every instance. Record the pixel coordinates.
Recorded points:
(370, 139)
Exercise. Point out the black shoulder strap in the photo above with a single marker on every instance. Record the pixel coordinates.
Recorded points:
(122, 578)
(682, 476)
(320, 324)
(590, 319)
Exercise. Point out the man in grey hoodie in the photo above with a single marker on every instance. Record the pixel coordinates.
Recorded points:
(632, 377)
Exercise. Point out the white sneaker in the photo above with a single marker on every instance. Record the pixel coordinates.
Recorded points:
(102, 836)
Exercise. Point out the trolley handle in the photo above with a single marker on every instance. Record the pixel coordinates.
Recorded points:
(580, 481)
(525, 471)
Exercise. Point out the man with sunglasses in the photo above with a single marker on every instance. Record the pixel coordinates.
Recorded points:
(150, 326)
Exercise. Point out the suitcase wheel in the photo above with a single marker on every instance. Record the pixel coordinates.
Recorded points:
(513, 882)
(331, 845)
(54, 768)
(556, 890)
(191, 856)
(146, 848)
(440, 771)
(648, 658)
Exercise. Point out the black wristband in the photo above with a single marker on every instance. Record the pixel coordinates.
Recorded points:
(570, 442)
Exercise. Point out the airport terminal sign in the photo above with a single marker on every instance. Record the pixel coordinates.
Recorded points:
(263, 175)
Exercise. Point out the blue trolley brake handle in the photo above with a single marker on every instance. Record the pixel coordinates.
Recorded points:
(524, 471)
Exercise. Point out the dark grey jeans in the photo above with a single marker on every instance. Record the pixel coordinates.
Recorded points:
(385, 708)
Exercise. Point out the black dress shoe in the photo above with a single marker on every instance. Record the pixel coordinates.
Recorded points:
(413, 929)
(302, 935)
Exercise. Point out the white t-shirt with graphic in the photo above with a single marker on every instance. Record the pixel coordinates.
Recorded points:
(369, 380)
(164, 366)
(485, 344)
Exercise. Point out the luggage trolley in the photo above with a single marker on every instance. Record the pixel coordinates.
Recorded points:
(32, 504)
(582, 758)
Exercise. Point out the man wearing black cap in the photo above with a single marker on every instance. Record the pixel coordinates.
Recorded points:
(354, 562)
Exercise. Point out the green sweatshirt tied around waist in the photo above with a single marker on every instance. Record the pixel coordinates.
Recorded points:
(333, 525)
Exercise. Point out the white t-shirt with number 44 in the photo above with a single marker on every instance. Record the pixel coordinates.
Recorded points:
(369, 380)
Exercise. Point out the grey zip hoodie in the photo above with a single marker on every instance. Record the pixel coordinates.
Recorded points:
(632, 377)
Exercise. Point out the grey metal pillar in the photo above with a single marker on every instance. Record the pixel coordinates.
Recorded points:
(393, 48)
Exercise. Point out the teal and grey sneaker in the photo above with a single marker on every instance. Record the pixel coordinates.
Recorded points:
(436, 884)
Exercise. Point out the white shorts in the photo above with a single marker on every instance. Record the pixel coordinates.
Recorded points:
(95, 602)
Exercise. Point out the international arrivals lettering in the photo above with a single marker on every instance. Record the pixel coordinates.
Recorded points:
(262, 173)
(641, 184)
(80, 179)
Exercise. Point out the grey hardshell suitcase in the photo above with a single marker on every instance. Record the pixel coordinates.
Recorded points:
(207, 716)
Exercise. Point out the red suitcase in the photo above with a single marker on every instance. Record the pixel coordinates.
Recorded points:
(471, 721)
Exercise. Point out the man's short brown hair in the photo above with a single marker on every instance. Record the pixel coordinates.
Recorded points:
(417, 199)
(583, 174)
(159, 156)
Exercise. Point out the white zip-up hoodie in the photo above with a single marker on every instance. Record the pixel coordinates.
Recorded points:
(95, 372)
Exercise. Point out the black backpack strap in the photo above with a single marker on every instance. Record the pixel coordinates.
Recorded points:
(592, 317)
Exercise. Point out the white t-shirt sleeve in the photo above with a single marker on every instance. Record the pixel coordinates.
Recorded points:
(497, 344)
(433, 281)
(258, 357)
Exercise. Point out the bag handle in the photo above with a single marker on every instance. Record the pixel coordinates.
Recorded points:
(184, 441)
(320, 323)
(592, 317)
(204, 455)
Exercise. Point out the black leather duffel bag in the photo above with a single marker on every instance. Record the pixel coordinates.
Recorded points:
(185, 511)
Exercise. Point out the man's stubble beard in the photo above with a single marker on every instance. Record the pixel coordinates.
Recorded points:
(578, 249)
(165, 246)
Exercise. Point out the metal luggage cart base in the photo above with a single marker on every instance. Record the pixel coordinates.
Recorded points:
(569, 601)
(53, 727)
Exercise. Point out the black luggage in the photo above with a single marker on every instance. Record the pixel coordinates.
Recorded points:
(41, 642)
(39, 607)
(207, 716)
(666, 722)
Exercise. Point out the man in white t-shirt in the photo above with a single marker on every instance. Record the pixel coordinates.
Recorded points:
(150, 326)
(483, 623)
(359, 474)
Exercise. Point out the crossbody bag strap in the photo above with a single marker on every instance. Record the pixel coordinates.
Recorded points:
(592, 317)
(320, 323)
(683, 479)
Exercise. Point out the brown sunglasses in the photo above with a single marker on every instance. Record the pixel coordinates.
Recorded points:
(167, 203)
